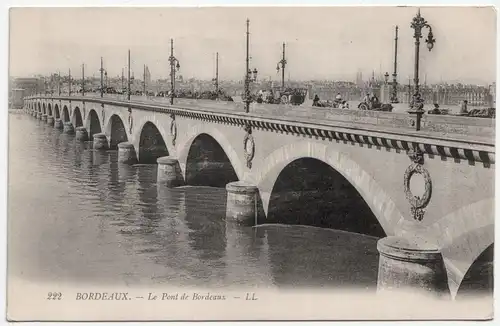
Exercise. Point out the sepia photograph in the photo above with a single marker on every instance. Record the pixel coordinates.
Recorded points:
(251, 163)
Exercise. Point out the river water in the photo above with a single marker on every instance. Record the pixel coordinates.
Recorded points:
(78, 216)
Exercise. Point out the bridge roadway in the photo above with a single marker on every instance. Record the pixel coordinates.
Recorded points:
(436, 226)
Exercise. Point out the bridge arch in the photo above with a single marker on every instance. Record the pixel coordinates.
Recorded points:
(49, 110)
(65, 114)
(117, 131)
(56, 112)
(462, 237)
(151, 144)
(92, 123)
(77, 117)
(207, 164)
(39, 107)
(44, 109)
(138, 126)
(380, 203)
(478, 280)
(192, 133)
(309, 191)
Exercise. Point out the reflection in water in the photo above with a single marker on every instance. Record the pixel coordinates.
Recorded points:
(207, 235)
(76, 215)
(347, 260)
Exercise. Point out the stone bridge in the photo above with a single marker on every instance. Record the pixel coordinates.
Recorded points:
(434, 227)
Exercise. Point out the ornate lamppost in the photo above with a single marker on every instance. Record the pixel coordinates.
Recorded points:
(144, 81)
(123, 81)
(59, 83)
(282, 64)
(83, 79)
(417, 103)
(394, 93)
(51, 85)
(216, 79)
(250, 76)
(69, 82)
(174, 66)
(103, 72)
(384, 89)
(129, 80)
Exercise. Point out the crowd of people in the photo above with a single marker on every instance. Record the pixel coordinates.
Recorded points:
(209, 95)
(297, 96)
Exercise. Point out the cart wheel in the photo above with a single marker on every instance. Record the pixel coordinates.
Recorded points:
(363, 106)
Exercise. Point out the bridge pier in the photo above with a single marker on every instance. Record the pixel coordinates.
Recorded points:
(58, 124)
(242, 202)
(126, 153)
(100, 141)
(411, 265)
(44, 117)
(68, 127)
(81, 134)
(169, 172)
(50, 120)
(39, 115)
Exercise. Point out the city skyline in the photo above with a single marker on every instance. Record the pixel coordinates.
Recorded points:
(365, 43)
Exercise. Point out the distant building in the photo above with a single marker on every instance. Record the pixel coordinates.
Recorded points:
(21, 87)
(493, 94)
(16, 98)
(359, 79)
(30, 85)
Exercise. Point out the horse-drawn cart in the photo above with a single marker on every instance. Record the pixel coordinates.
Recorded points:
(375, 106)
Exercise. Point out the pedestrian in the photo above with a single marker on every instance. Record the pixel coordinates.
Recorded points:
(316, 100)
(463, 108)
(366, 99)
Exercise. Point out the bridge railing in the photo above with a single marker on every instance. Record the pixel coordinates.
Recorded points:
(442, 124)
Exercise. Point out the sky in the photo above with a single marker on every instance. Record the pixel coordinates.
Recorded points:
(321, 42)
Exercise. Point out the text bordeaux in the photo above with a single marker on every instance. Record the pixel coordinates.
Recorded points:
(118, 296)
